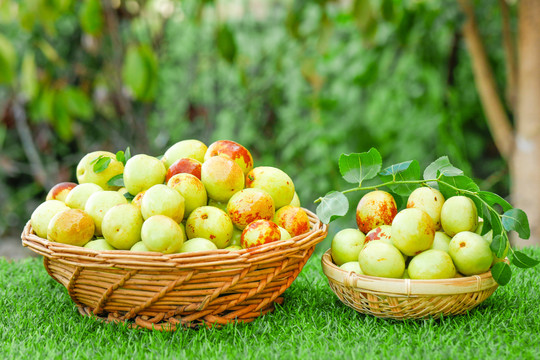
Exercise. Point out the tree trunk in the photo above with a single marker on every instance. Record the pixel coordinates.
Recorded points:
(525, 162)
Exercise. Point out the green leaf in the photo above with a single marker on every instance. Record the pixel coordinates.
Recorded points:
(226, 43)
(522, 260)
(91, 17)
(129, 196)
(333, 205)
(486, 226)
(8, 60)
(77, 103)
(121, 157)
(408, 170)
(127, 154)
(387, 10)
(96, 159)
(117, 180)
(494, 199)
(498, 245)
(135, 73)
(29, 79)
(516, 219)
(501, 273)
(102, 164)
(441, 166)
(358, 167)
(459, 181)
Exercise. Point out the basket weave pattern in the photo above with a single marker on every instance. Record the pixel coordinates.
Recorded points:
(163, 291)
(406, 298)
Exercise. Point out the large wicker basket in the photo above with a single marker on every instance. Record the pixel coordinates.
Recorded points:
(159, 291)
(406, 298)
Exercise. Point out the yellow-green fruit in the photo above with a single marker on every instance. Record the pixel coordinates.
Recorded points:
(274, 181)
(142, 172)
(295, 200)
(459, 214)
(284, 233)
(430, 200)
(353, 266)
(86, 173)
(99, 244)
(471, 253)
(222, 178)
(234, 247)
(191, 189)
(162, 234)
(231, 150)
(378, 258)
(191, 148)
(441, 241)
(260, 232)
(43, 214)
(122, 226)
(413, 231)
(210, 223)
(198, 244)
(99, 203)
(346, 246)
(432, 264)
(249, 205)
(71, 226)
(162, 200)
(139, 246)
(78, 196)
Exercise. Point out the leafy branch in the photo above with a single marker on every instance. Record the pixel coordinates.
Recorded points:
(498, 215)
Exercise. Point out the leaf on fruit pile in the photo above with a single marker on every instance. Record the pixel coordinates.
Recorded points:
(486, 226)
(117, 180)
(408, 170)
(461, 182)
(333, 205)
(128, 196)
(501, 273)
(494, 199)
(127, 154)
(498, 245)
(358, 167)
(516, 219)
(102, 164)
(523, 260)
(441, 166)
(121, 157)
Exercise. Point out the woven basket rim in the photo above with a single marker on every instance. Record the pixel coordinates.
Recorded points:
(128, 259)
(407, 287)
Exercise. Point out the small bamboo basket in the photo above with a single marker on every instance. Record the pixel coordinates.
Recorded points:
(405, 298)
(166, 291)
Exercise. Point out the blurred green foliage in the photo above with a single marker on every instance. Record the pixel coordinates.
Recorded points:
(296, 82)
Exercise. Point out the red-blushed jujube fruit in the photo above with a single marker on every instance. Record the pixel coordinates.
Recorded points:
(346, 246)
(222, 178)
(60, 191)
(374, 209)
(383, 233)
(260, 232)
(459, 214)
(432, 264)
(249, 205)
(430, 200)
(184, 166)
(413, 231)
(293, 219)
(71, 226)
(378, 258)
(233, 151)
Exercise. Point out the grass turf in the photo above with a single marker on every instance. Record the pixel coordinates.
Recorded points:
(38, 320)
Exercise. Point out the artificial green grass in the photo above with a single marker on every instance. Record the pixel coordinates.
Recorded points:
(39, 321)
